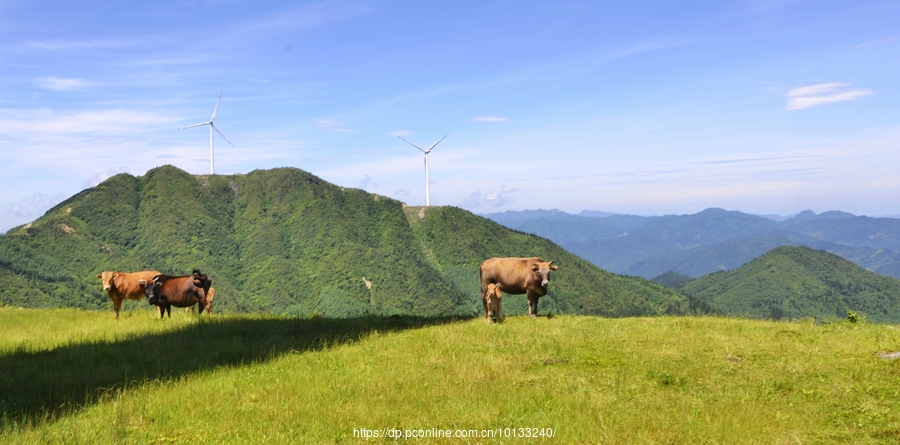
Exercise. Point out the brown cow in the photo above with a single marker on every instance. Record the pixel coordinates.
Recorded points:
(491, 300)
(120, 286)
(185, 291)
(529, 276)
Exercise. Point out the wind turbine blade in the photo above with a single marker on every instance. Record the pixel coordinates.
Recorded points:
(438, 142)
(195, 125)
(220, 134)
(414, 145)
(217, 107)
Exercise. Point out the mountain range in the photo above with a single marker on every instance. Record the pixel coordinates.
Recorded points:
(711, 240)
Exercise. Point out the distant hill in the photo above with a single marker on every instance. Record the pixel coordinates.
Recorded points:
(715, 239)
(793, 282)
(286, 242)
(674, 280)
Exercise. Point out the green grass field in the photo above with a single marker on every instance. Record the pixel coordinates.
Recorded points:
(69, 376)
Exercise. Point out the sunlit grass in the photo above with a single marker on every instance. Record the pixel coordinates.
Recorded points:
(592, 380)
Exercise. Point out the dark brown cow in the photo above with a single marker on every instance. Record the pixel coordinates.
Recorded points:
(529, 276)
(491, 300)
(120, 286)
(185, 291)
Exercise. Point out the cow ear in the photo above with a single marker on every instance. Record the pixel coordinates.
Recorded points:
(100, 276)
(535, 267)
(142, 283)
(115, 275)
(553, 265)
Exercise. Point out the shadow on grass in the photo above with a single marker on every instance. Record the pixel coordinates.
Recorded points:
(42, 386)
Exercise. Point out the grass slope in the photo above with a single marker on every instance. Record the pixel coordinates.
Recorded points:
(243, 379)
(794, 282)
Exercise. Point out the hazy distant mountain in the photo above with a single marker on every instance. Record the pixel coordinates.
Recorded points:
(716, 239)
(795, 282)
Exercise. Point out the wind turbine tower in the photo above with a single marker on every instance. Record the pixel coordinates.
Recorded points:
(212, 158)
(427, 192)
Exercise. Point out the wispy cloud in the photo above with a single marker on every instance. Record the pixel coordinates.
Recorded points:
(878, 42)
(331, 125)
(73, 45)
(496, 198)
(367, 182)
(93, 181)
(62, 84)
(46, 122)
(823, 93)
(401, 133)
(490, 119)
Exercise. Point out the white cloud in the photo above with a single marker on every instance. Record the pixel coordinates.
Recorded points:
(62, 84)
(401, 133)
(823, 93)
(17, 210)
(331, 125)
(93, 181)
(366, 182)
(47, 122)
(489, 119)
(498, 197)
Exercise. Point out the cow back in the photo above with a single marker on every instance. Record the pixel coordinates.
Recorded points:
(514, 275)
(181, 291)
(128, 285)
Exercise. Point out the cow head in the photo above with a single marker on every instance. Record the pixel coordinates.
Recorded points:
(542, 270)
(107, 278)
(151, 288)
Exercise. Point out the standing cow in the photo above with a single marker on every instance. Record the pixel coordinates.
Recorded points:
(121, 286)
(166, 291)
(491, 300)
(529, 276)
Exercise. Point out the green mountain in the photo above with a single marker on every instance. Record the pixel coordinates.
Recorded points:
(794, 282)
(284, 241)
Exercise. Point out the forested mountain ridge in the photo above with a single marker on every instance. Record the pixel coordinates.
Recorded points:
(794, 282)
(284, 241)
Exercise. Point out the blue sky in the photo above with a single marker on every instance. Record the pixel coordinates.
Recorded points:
(644, 107)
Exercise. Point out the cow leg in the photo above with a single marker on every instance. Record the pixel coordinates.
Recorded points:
(532, 304)
(484, 301)
(169, 310)
(117, 305)
(537, 298)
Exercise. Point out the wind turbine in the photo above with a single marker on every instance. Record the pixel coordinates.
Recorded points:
(427, 193)
(212, 163)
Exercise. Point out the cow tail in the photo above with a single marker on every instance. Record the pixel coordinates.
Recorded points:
(480, 280)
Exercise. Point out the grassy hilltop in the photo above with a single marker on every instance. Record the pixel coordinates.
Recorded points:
(283, 241)
(78, 377)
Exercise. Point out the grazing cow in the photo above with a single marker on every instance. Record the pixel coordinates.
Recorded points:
(529, 276)
(491, 301)
(120, 286)
(185, 291)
